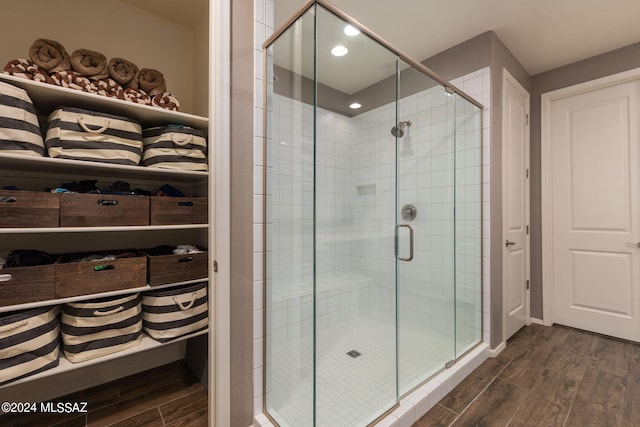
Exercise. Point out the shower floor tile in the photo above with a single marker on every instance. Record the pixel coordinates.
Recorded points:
(350, 392)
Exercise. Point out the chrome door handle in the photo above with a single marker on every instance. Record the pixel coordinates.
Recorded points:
(634, 244)
(410, 257)
(509, 243)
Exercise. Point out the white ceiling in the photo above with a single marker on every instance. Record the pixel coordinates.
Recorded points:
(541, 34)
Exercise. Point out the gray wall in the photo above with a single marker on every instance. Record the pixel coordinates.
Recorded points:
(613, 62)
(481, 51)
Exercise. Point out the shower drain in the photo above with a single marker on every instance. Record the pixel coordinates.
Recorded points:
(354, 353)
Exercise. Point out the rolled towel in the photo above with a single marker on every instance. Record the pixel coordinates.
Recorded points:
(109, 87)
(27, 69)
(124, 72)
(136, 95)
(73, 80)
(49, 55)
(90, 63)
(152, 81)
(166, 101)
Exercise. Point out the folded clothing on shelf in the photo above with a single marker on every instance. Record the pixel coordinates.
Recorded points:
(102, 257)
(186, 249)
(28, 258)
(169, 191)
(121, 188)
(173, 250)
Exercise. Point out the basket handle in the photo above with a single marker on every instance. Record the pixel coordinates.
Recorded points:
(182, 143)
(96, 131)
(14, 327)
(107, 313)
(188, 306)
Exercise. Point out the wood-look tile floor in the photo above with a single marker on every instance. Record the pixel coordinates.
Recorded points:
(548, 376)
(170, 395)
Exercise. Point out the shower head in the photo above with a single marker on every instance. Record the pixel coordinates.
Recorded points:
(398, 131)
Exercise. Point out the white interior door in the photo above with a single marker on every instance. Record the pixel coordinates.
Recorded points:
(595, 218)
(515, 202)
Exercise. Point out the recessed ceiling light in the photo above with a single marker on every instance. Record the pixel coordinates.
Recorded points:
(339, 50)
(355, 105)
(351, 31)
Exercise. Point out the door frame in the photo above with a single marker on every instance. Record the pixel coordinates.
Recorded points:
(508, 78)
(547, 100)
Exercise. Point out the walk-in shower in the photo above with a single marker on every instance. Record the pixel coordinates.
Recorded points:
(373, 223)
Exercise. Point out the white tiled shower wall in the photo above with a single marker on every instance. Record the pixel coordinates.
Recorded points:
(355, 186)
(476, 84)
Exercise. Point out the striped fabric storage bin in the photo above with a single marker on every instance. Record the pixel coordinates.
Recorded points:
(175, 312)
(29, 342)
(102, 326)
(19, 127)
(175, 147)
(78, 134)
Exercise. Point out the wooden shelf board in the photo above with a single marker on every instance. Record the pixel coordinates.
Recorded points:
(47, 97)
(9, 308)
(48, 230)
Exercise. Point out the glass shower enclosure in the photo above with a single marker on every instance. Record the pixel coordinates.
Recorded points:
(372, 223)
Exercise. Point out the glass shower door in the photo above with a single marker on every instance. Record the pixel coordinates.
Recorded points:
(354, 193)
(425, 251)
(289, 281)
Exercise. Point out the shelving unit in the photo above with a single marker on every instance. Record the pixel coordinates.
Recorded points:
(16, 307)
(9, 162)
(40, 94)
(32, 173)
(66, 366)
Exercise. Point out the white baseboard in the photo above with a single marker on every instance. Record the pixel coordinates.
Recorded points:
(496, 351)
(536, 321)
